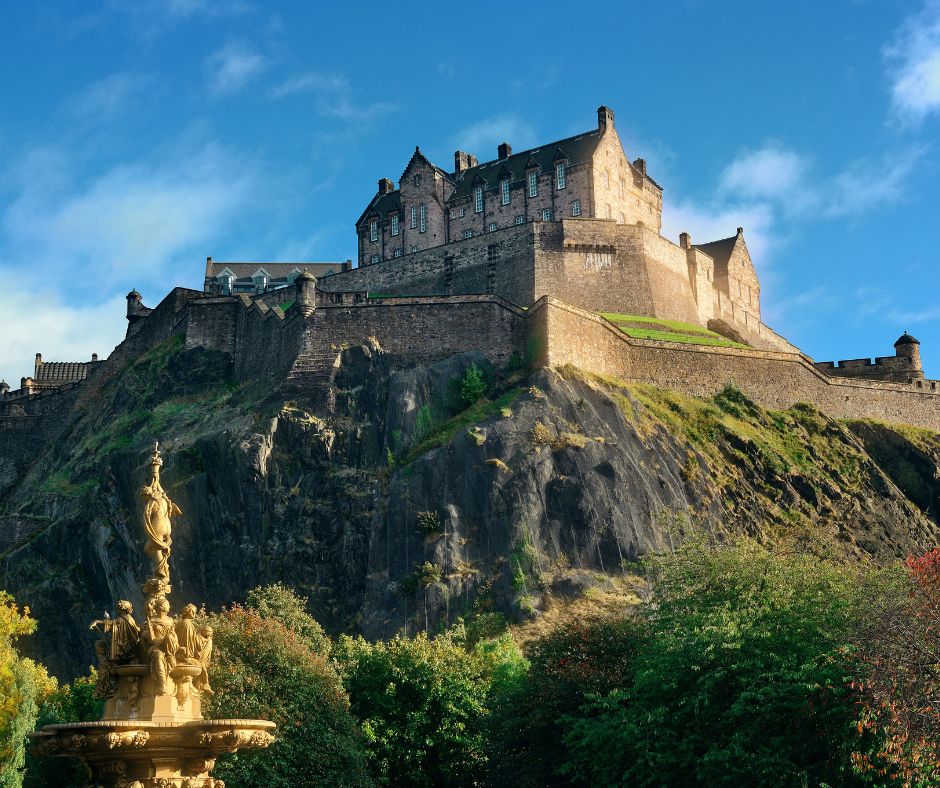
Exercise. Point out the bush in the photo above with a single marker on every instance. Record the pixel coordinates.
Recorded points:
(745, 679)
(285, 605)
(472, 386)
(422, 703)
(263, 670)
(23, 684)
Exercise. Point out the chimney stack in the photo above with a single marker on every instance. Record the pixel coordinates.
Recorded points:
(685, 240)
(740, 232)
(385, 186)
(605, 118)
(640, 164)
(94, 356)
(463, 161)
(504, 150)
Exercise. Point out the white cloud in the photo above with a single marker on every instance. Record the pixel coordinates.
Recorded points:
(232, 67)
(482, 137)
(106, 98)
(60, 332)
(716, 220)
(771, 172)
(914, 58)
(334, 96)
(135, 217)
(866, 184)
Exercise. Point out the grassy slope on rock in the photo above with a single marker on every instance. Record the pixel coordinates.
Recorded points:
(641, 327)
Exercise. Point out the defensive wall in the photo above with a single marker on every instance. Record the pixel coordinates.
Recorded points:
(596, 264)
(773, 379)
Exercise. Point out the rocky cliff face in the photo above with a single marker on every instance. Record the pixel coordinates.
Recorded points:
(398, 508)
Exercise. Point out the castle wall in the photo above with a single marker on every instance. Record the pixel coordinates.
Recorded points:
(773, 379)
(619, 190)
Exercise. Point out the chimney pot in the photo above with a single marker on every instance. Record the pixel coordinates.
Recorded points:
(740, 231)
(685, 240)
(504, 150)
(640, 164)
(605, 117)
(385, 186)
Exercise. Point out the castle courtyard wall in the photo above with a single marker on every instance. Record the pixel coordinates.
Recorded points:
(773, 379)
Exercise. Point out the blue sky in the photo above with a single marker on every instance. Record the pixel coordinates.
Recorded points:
(139, 136)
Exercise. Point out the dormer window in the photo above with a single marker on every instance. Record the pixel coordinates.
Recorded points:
(260, 280)
(374, 230)
(560, 180)
(226, 281)
(414, 217)
(478, 199)
(533, 184)
(395, 229)
(504, 191)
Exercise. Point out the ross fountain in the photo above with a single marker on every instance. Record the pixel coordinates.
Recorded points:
(153, 678)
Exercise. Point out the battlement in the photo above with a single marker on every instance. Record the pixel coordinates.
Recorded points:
(903, 367)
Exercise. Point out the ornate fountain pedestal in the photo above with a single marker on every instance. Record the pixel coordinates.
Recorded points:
(152, 734)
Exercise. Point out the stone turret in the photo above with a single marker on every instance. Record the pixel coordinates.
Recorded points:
(136, 311)
(907, 347)
(4, 389)
(306, 284)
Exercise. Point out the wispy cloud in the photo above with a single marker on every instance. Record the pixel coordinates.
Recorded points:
(232, 67)
(914, 60)
(482, 137)
(771, 172)
(334, 96)
(108, 97)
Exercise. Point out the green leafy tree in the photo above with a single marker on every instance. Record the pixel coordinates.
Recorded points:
(73, 702)
(472, 386)
(422, 703)
(287, 606)
(566, 666)
(746, 679)
(262, 669)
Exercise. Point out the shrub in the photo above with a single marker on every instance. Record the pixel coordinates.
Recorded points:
(263, 670)
(285, 605)
(472, 386)
(422, 703)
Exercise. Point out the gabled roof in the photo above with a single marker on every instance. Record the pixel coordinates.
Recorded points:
(418, 155)
(721, 251)
(382, 205)
(274, 270)
(61, 372)
(577, 149)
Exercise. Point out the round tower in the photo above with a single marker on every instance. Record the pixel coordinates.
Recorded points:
(306, 284)
(908, 347)
(4, 389)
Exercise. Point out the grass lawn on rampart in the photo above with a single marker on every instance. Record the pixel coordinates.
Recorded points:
(642, 327)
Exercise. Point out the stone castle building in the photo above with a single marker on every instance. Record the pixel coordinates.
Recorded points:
(522, 257)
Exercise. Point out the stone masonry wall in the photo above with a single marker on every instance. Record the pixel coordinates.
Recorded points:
(773, 379)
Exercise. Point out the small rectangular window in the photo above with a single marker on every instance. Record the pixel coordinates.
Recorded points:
(394, 224)
(463, 212)
(560, 180)
(492, 227)
(576, 208)
(375, 258)
(453, 213)
(504, 191)
(608, 211)
(546, 215)
(533, 184)
(468, 233)
(414, 217)
(373, 230)
(424, 218)
(414, 248)
(398, 252)
(622, 186)
(520, 219)
(606, 179)
(621, 220)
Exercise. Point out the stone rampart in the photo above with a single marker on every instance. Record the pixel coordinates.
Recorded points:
(773, 379)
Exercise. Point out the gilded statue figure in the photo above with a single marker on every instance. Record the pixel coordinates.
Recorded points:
(125, 636)
(204, 657)
(158, 509)
(188, 653)
(162, 644)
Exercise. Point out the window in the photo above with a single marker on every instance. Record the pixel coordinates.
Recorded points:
(622, 186)
(468, 233)
(576, 208)
(394, 224)
(609, 213)
(478, 199)
(375, 258)
(373, 230)
(414, 217)
(414, 248)
(227, 285)
(492, 227)
(398, 252)
(453, 213)
(504, 191)
(606, 179)
(463, 212)
(621, 220)
(424, 218)
(533, 184)
(560, 176)
(546, 215)
(520, 219)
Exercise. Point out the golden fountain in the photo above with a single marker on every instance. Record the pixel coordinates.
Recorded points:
(152, 734)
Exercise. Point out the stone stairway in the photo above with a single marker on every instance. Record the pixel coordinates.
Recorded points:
(312, 375)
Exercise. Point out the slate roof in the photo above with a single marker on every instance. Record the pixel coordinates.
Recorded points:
(275, 270)
(906, 339)
(382, 204)
(576, 150)
(719, 251)
(61, 372)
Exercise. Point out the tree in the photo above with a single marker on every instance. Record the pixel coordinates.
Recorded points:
(23, 684)
(746, 678)
(472, 386)
(566, 666)
(900, 643)
(287, 606)
(261, 669)
(422, 703)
